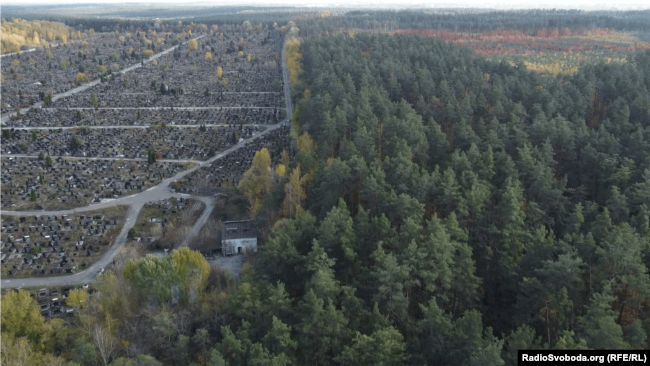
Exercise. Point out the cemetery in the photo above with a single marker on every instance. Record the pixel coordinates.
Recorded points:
(60, 183)
(53, 301)
(31, 76)
(195, 143)
(50, 245)
(209, 76)
(124, 136)
(226, 172)
(216, 100)
(64, 117)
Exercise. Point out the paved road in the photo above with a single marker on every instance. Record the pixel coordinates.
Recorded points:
(154, 193)
(200, 222)
(91, 84)
(135, 203)
(89, 273)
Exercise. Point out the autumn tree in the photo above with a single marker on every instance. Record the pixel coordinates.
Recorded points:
(21, 318)
(81, 77)
(193, 44)
(257, 180)
(294, 194)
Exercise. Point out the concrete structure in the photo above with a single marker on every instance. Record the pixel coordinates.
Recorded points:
(238, 237)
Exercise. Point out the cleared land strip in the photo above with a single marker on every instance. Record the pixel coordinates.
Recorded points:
(92, 83)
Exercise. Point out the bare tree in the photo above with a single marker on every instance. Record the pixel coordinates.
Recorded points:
(104, 341)
(16, 352)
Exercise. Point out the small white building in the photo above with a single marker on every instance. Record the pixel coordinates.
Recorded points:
(238, 237)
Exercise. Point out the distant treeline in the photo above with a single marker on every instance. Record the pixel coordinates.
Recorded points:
(529, 21)
(311, 22)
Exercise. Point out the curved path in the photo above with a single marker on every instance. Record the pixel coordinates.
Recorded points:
(201, 221)
(135, 203)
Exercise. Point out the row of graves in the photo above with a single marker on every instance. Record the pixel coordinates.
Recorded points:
(162, 224)
(53, 302)
(184, 78)
(217, 100)
(63, 117)
(64, 183)
(30, 76)
(190, 143)
(226, 172)
(51, 245)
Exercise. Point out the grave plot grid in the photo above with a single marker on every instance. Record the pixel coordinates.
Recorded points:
(32, 183)
(54, 70)
(50, 245)
(196, 143)
(184, 78)
(226, 172)
(148, 100)
(53, 117)
(52, 300)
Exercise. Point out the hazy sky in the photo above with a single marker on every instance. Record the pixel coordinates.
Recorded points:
(499, 4)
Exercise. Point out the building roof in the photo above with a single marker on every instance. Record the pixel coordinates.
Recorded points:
(238, 230)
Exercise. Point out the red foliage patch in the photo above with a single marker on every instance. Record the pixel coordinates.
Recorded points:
(499, 42)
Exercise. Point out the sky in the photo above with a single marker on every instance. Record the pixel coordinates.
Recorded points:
(497, 4)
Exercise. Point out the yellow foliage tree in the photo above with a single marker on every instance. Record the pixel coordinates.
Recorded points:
(193, 44)
(280, 170)
(219, 72)
(305, 143)
(15, 62)
(19, 33)
(188, 260)
(77, 298)
(293, 59)
(17, 352)
(256, 181)
(208, 56)
(21, 317)
(101, 68)
(180, 275)
(294, 194)
(81, 77)
(241, 53)
(147, 53)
